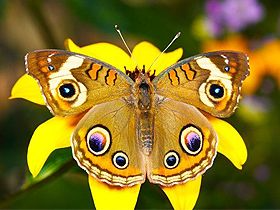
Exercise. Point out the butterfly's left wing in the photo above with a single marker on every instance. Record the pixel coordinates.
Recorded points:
(211, 81)
(72, 83)
(184, 144)
(104, 144)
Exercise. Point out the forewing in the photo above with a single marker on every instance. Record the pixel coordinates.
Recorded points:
(72, 83)
(211, 82)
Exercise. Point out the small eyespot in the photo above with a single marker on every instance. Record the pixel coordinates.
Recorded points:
(171, 159)
(120, 160)
(98, 140)
(51, 67)
(191, 139)
(216, 91)
(227, 68)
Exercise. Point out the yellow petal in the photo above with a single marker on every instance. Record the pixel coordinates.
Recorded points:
(110, 197)
(105, 52)
(52, 134)
(230, 143)
(145, 54)
(184, 196)
(27, 88)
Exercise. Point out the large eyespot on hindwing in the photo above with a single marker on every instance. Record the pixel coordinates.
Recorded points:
(120, 160)
(191, 139)
(171, 159)
(98, 140)
(68, 90)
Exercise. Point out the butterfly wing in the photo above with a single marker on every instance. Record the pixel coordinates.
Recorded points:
(72, 83)
(211, 81)
(104, 144)
(184, 144)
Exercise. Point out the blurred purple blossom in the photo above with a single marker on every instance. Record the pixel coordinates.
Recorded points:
(233, 15)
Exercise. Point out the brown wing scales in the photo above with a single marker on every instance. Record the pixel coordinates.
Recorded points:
(211, 82)
(73, 83)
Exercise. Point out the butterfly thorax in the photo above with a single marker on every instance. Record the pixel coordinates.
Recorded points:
(144, 103)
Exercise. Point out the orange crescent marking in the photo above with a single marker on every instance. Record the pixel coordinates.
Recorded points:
(173, 77)
(190, 74)
(232, 70)
(233, 67)
(93, 72)
(233, 63)
(111, 77)
(221, 105)
(43, 66)
(42, 63)
(45, 69)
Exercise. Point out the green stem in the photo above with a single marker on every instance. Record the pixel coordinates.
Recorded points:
(64, 168)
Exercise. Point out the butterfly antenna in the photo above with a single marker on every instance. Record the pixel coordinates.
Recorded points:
(170, 43)
(125, 44)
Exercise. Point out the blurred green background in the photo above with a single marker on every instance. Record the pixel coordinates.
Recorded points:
(29, 25)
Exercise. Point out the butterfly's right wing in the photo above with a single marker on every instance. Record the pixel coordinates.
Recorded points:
(210, 81)
(184, 146)
(72, 83)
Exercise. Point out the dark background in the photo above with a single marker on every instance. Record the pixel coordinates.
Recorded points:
(29, 25)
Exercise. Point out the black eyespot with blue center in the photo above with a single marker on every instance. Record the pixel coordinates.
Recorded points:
(191, 139)
(216, 91)
(171, 159)
(227, 68)
(120, 160)
(98, 140)
(67, 90)
(51, 67)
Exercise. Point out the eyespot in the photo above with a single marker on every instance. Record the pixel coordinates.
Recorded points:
(191, 139)
(68, 90)
(120, 160)
(171, 159)
(227, 68)
(51, 67)
(216, 91)
(98, 140)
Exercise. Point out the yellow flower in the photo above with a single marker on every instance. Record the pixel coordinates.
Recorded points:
(55, 133)
(263, 61)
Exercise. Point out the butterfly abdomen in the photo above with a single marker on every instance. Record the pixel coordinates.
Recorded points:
(145, 131)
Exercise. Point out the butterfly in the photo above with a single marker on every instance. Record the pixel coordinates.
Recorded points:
(139, 125)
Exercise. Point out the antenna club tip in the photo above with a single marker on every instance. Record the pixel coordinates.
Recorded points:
(178, 34)
(117, 27)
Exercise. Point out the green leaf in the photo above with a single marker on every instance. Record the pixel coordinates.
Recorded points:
(55, 161)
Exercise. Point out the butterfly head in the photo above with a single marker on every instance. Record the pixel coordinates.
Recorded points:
(139, 74)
